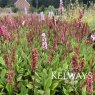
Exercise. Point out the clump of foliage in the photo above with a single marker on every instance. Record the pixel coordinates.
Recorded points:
(26, 67)
(14, 9)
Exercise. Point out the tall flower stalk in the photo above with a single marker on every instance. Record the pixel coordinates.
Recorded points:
(44, 41)
(75, 63)
(34, 62)
(90, 83)
(9, 60)
(4, 32)
(61, 7)
(34, 58)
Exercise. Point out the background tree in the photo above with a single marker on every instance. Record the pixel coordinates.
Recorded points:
(41, 3)
(3, 3)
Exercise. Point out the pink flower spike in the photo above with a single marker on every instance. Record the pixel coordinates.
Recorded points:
(44, 41)
(62, 37)
(23, 23)
(90, 83)
(4, 32)
(61, 7)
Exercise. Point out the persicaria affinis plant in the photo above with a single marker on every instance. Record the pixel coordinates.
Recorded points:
(34, 59)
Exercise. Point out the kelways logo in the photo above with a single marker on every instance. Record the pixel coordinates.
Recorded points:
(68, 75)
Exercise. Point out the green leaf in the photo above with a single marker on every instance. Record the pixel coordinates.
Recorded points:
(47, 91)
(19, 78)
(2, 61)
(1, 86)
(3, 73)
(84, 90)
(41, 92)
(9, 88)
(30, 85)
(44, 72)
(23, 90)
(65, 66)
(65, 91)
(2, 93)
(47, 83)
(54, 84)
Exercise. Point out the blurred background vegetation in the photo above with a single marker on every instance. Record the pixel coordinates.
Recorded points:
(47, 5)
(42, 4)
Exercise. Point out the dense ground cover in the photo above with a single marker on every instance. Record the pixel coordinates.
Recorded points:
(35, 54)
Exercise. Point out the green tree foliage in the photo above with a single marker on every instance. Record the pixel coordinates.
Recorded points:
(3, 3)
(46, 3)
(10, 3)
(55, 3)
